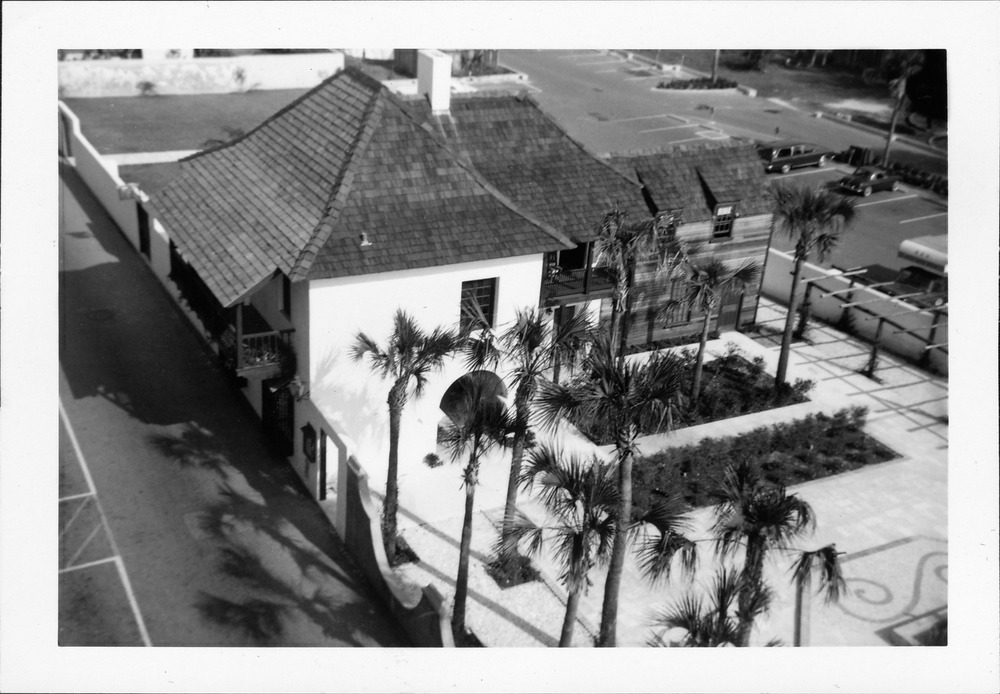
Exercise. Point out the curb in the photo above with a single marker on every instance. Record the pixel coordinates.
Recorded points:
(751, 92)
(902, 139)
(663, 67)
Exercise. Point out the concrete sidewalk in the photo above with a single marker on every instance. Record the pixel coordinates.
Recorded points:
(889, 520)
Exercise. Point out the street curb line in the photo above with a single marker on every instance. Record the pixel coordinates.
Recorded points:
(749, 91)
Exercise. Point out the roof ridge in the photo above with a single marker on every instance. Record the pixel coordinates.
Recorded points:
(684, 148)
(335, 202)
(347, 71)
(470, 168)
(529, 98)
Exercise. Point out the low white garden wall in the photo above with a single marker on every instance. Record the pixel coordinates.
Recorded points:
(101, 177)
(121, 77)
(777, 284)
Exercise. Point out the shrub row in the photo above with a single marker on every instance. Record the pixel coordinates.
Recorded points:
(922, 179)
(788, 453)
(698, 83)
(731, 386)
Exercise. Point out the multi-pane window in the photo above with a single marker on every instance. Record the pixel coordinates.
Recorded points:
(478, 303)
(722, 223)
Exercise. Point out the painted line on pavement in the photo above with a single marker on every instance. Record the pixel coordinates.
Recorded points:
(602, 62)
(111, 539)
(83, 546)
(919, 219)
(73, 497)
(698, 139)
(88, 565)
(879, 202)
(806, 173)
(659, 115)
(671, 127)
(72, 520)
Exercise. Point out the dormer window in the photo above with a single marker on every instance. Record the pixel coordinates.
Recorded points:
(722, 222)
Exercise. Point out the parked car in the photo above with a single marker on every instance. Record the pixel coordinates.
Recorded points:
(785, 156)
(868, 179)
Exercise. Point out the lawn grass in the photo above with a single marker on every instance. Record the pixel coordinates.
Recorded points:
(789, 453)
(810, 85)
(118, 125)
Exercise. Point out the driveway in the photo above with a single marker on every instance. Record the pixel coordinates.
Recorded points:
(173, 513)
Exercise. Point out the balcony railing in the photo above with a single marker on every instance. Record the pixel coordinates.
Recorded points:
(561, 284)
(258, 345)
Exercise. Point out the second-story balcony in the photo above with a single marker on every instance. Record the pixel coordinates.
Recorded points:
(249, 341)
(573, 285)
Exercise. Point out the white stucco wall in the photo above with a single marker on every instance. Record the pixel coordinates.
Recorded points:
(777, 284)
(353, 400)
(124, 78)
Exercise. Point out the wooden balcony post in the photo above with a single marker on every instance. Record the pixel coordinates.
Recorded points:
(239, 336)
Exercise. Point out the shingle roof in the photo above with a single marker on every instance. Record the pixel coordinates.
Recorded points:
(527, 156)
(296, 193)
(696, 177)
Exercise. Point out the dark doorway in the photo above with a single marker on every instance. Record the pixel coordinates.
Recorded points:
(729, 311)
(143, 230)
(322, 465)
(278, 414)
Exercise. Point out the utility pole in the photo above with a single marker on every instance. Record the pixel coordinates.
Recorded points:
(715, 66)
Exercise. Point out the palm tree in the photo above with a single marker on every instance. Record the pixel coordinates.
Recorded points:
(480, 422)
(761, 518)
(582, 495)
(533, 347)
(705, 625)
(621, 244)
(904, 65)
(814, 219)
(631, 399)
(407, 358)
(704, 282)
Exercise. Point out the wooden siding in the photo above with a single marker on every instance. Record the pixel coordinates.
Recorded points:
(653, 289)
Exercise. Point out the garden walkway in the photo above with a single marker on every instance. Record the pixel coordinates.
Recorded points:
(889, 520)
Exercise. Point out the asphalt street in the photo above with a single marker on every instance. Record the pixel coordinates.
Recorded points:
(177, 526)
(610, 105)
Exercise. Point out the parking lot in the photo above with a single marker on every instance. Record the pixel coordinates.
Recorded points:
(96, 603)
(883, 221)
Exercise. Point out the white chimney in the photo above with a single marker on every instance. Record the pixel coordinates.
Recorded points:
(434, 78)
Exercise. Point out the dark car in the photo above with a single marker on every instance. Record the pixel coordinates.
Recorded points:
(869, 179)
(785, 156)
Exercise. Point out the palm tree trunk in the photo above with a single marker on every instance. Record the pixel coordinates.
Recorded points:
(786, 337)
(803, 605)
(753, 575)
(465, 548)
(612, 586)
(616, 321)
(516, 456)
(699, 362)
(572, 605)
(892, 131)
(397, 399)
(715, 66)
(624, 323)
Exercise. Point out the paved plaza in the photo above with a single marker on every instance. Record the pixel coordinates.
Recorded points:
(890, 521)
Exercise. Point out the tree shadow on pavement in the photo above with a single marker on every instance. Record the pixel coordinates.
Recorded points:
(270, 617)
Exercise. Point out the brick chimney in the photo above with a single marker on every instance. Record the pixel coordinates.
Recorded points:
(434, 78)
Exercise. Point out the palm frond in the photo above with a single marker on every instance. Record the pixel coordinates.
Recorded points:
(662, 538)
(832, 583)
